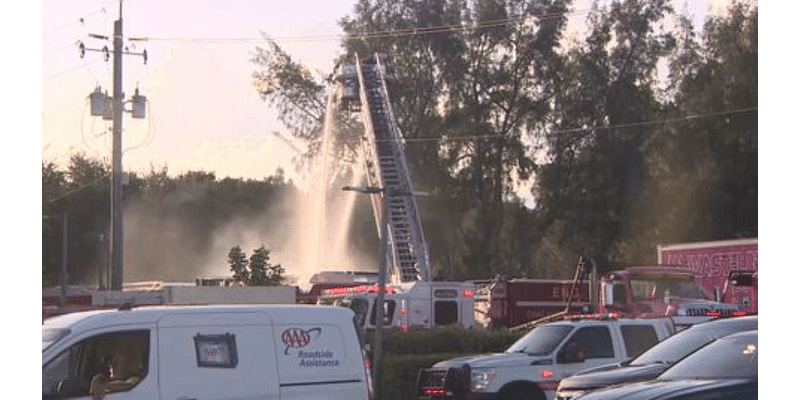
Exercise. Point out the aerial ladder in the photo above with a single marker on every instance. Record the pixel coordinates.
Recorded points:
(363, 88)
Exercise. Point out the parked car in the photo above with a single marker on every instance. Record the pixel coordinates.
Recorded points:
(209, 352)
(655, 360)
(726, 369)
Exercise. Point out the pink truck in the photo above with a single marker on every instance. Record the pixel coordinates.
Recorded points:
(727, 268)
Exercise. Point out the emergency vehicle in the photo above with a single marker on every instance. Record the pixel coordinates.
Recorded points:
(509, 303)
(419, 304)
(655, 291)
(727, 268)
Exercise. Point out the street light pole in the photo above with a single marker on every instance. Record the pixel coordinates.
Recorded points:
(378, 355)
(379, 301)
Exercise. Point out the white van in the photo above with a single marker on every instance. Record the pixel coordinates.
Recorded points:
(205, 352)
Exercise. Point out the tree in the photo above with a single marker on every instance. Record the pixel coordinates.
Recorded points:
(275, 274)
(259, 262)
(706, 167)
(257, 271)
(594, 177)
(238, 265)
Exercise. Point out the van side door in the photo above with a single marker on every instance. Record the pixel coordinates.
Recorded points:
(215, 355)
(320, 359)
(116, 363)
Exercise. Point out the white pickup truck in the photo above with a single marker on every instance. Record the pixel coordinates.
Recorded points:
(533, 366)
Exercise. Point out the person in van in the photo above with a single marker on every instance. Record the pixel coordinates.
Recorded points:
(122, 368)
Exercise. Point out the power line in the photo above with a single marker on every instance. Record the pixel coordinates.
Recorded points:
(495, 136)
(374, 34)
(71, 69)
(80, 20)
(658, 122)
(79, 188)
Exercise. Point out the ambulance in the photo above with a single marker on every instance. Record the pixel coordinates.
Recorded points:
(408, 305)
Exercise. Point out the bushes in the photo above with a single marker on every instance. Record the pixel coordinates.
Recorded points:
(406, 353)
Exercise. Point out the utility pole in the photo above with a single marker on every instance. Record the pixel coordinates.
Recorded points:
(116, 161)
(102, 105)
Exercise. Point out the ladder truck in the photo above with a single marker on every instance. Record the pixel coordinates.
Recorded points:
(412, 299)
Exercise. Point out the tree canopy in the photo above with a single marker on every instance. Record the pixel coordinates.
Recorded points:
(639, 132)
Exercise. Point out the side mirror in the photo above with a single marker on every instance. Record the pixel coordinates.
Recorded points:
(608, 296)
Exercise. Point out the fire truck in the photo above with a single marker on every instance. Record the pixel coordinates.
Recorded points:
(654, 291)
(324, 280)
(506, 303)
(727, 268)
(411, 297)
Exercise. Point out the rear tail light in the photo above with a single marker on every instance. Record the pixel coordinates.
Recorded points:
(368, 369)
(739, 313)
(434, 392)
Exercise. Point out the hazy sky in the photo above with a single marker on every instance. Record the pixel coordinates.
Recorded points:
(203, 112)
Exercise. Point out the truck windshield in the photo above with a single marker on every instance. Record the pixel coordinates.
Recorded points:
(541, 340)
(52, 335)
(650, 287)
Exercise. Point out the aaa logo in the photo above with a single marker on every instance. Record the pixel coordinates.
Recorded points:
(298, 338)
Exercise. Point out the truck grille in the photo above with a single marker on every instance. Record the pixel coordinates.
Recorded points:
(704, 311)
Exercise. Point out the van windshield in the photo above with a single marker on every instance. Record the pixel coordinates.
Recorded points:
(541, 340)
(52, 335)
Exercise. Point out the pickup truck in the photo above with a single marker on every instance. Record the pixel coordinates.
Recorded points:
(533, 366)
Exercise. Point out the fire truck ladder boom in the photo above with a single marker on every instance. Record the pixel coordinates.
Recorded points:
(386, 168)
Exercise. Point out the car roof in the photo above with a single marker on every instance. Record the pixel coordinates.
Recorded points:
(735, 323)
(746, 335)
(151, 314)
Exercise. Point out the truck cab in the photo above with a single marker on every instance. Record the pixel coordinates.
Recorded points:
(659, 291)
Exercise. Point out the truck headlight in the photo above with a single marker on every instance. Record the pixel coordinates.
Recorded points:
(481, 378)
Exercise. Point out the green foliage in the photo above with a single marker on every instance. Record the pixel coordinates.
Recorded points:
(275, 274)
(257, 271)
(501, 103)
(171, 222)
(258, 267)
(238, 263)
(81, 192)
(408, 352)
